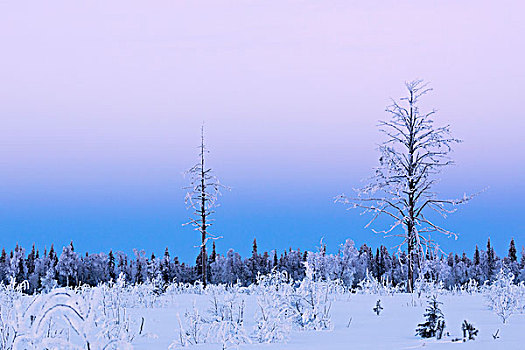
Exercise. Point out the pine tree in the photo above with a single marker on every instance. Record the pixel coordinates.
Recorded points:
(435, 321)
(512, 251)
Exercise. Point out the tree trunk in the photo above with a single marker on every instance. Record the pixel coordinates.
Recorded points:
(410, 280)
(203, 216)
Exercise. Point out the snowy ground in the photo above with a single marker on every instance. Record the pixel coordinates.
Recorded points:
(393, 329)
(274, 313)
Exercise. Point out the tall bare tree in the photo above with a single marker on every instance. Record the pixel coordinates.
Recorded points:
(203, 191)
(415, 151)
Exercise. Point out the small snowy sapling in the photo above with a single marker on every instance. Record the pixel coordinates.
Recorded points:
(435, 321)
(378, 308)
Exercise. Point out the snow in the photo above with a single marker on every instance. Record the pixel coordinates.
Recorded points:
(393, 329)
(274, 313)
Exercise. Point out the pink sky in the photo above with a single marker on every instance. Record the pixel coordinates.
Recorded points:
(109, 96)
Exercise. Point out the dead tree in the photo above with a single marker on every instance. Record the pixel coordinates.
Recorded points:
(203, 191)
(413, 154)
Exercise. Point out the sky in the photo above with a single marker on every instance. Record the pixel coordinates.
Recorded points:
(101, 105)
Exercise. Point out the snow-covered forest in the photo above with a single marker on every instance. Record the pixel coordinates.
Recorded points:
(47, 269)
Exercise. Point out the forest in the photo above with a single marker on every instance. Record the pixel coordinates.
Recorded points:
(350, 264)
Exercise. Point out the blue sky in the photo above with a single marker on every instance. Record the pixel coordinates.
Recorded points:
(102, 105)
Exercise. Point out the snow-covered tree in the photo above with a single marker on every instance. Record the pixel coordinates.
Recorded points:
(415, 150)
(434, 320)
(68, 266)
(503, 295)
(201, 197)
(349, 256)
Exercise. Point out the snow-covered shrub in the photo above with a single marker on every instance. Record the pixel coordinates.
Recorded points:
(428, 288)
(311, 302)
(275, 280)
(144, 294)
(273, 319)
(10, 303)
(66, 318)
(192, 329)
(222, 323)
(226, 319)
(471, 287)
(371, 285)
(503, 296)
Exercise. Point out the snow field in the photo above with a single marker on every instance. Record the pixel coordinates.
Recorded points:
(274, 313)
(394, 328)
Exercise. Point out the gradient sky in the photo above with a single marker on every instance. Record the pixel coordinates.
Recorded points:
(101, 104)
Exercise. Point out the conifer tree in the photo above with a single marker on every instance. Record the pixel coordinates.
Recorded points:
(213, 255)
(491, 263)
(31, 261)
(435, 321)
(165, 267)
(476, 259)
(522, 260)
(254, 248)
(111, 265)
(512, 251)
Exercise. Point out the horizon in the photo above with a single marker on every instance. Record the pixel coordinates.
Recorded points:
(102, 105)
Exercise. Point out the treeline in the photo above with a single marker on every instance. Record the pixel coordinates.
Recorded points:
(351, 265)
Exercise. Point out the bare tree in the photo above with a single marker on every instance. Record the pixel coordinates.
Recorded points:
(203, 191)
(414, 152)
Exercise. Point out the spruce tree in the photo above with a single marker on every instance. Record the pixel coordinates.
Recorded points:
(477, 259)
(522, 260)
(490, 260)
(165, 267)
(254, 248)
(512, 251)
(111, 265)
(213, 255)
(31, 261)
(435, 321)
